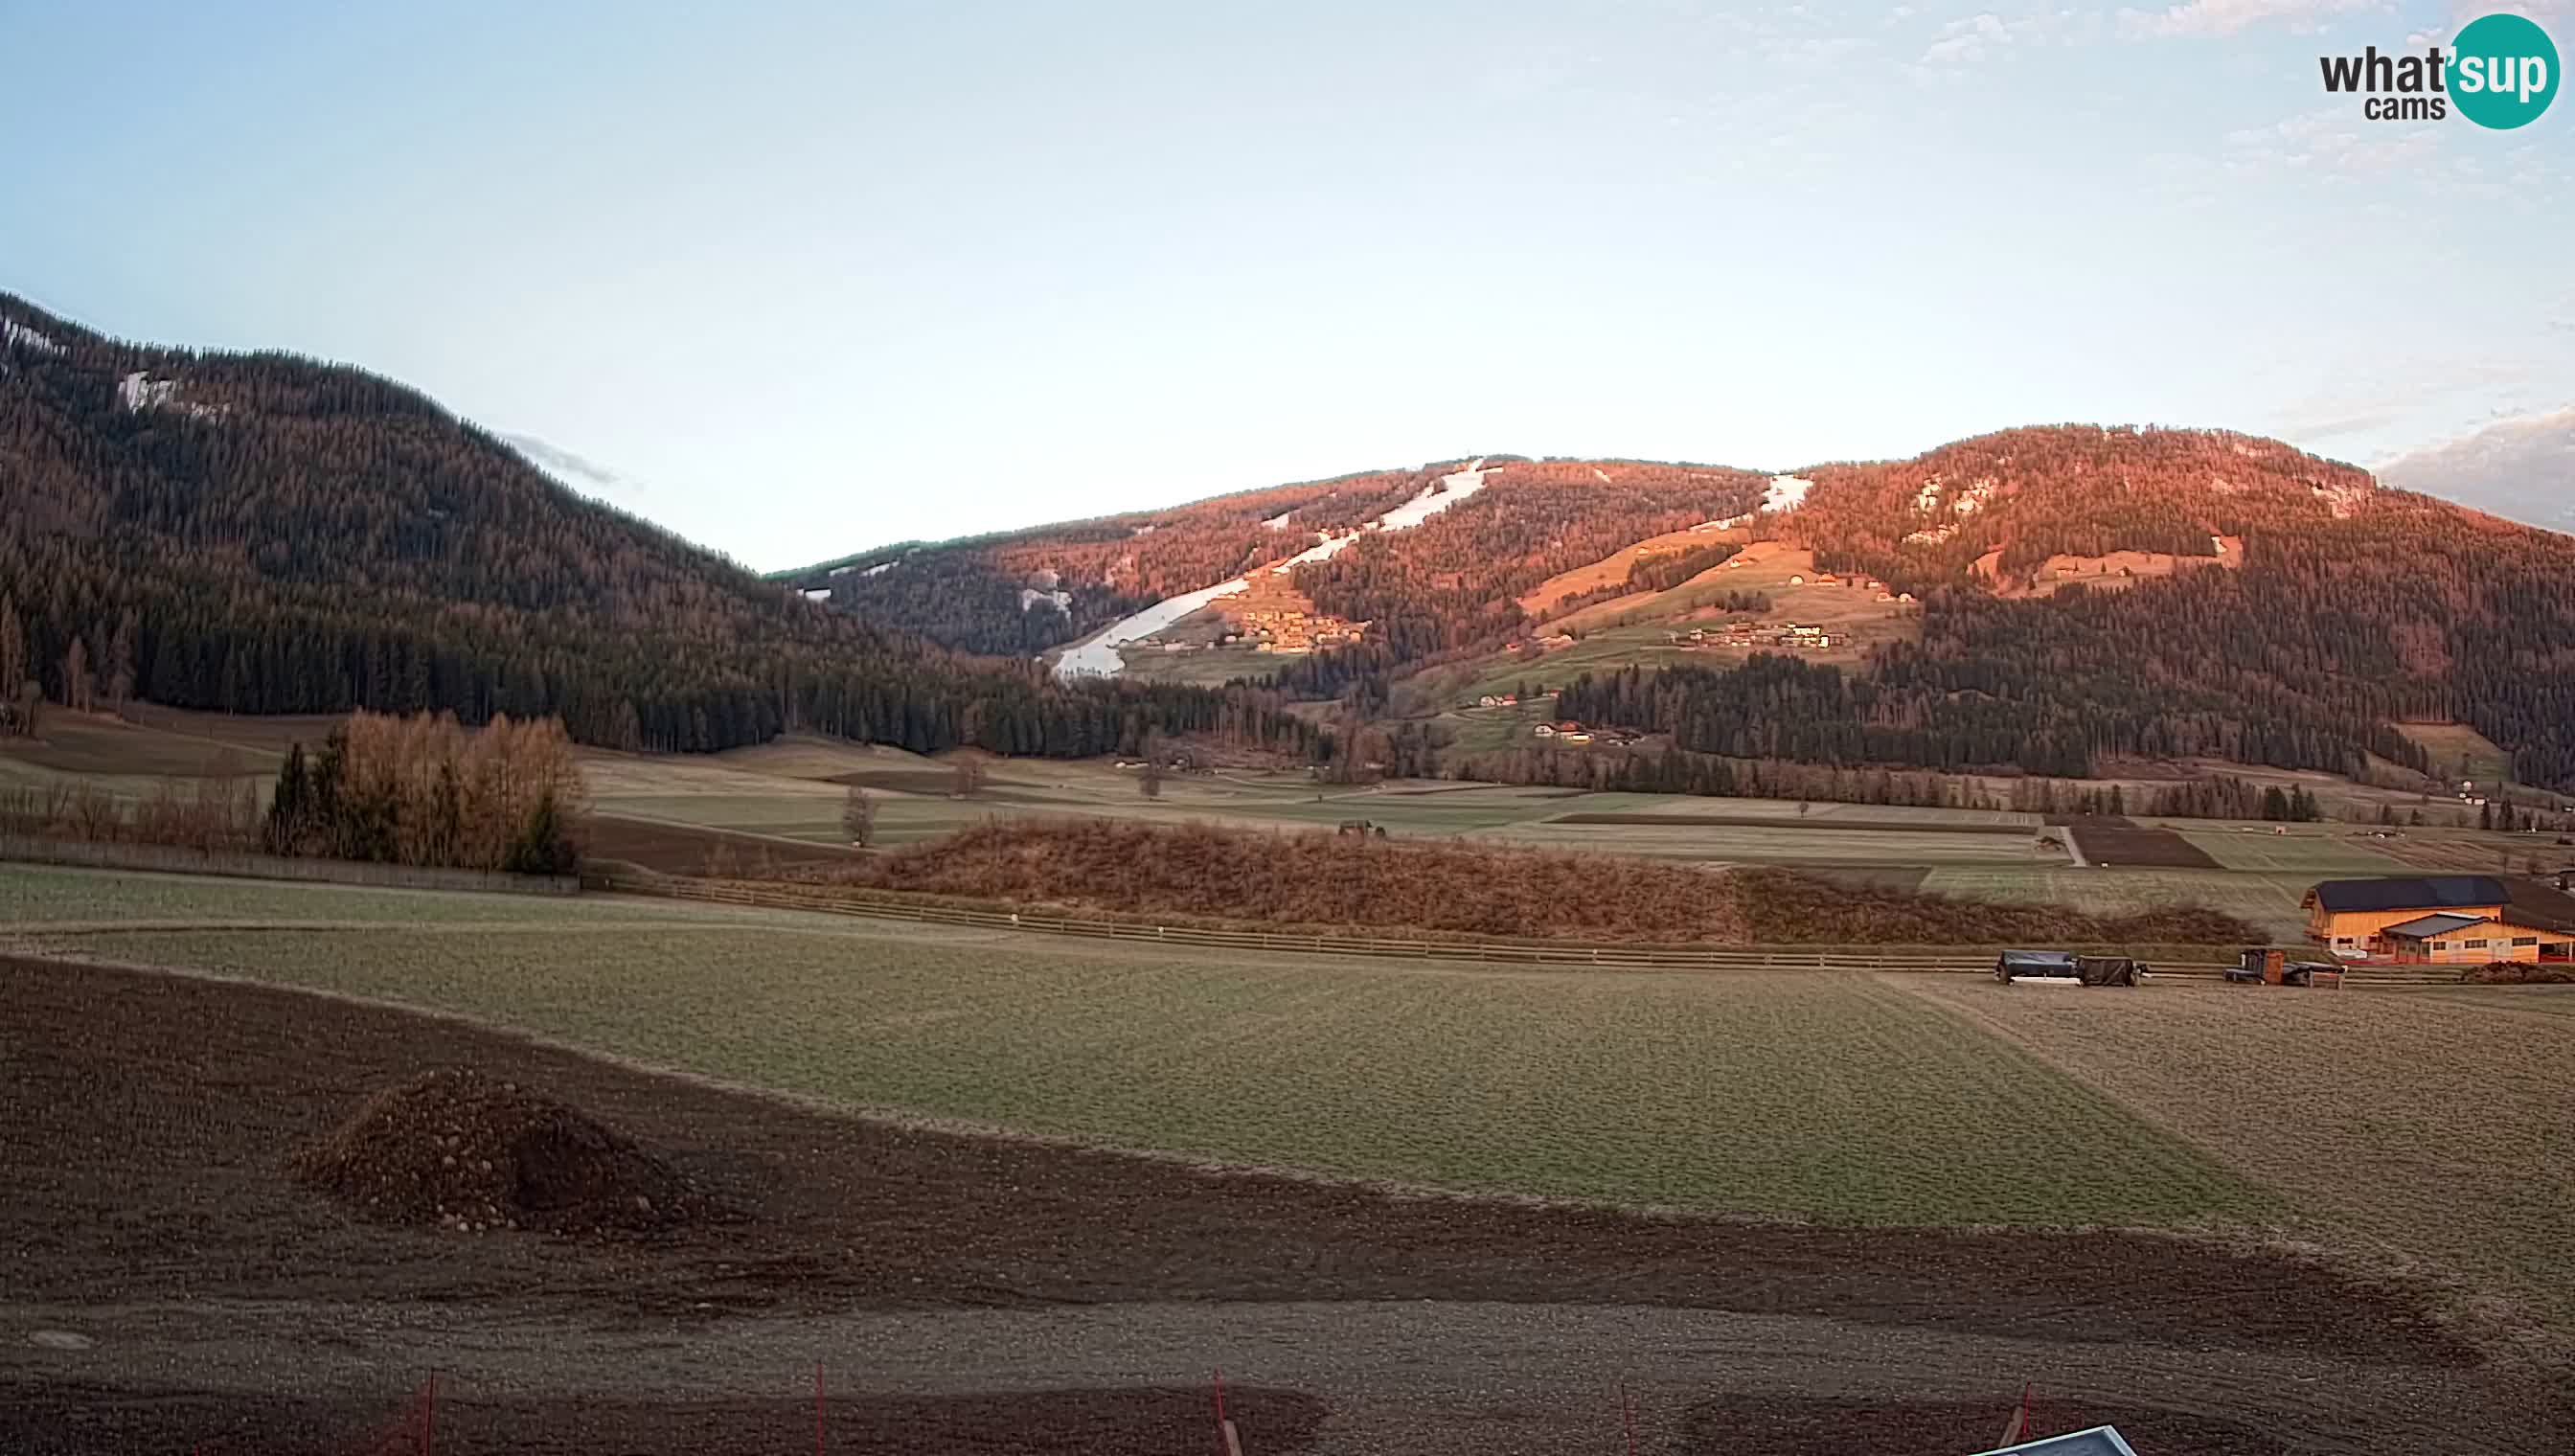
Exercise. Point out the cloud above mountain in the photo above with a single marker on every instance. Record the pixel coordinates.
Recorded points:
(577, 471)
(2522, 467)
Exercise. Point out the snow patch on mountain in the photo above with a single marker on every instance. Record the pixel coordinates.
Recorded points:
(1098, 656)
(138, 391)
(14, 334)
(1786, 493)
(1060, 601)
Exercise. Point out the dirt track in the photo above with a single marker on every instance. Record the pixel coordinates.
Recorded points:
(971, 1294)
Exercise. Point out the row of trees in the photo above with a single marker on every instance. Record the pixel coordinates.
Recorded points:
(423, 790)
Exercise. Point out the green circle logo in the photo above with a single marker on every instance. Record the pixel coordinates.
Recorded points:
(2503, 71)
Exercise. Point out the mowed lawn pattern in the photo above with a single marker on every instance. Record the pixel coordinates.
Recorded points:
(1799, 1096)
(2441, 1123)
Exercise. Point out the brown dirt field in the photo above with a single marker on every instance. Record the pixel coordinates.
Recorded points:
(142, 1193)
(670, 849)
(1136, 1419)
(2108, 839)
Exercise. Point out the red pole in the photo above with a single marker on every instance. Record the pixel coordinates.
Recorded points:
(1628, 1412)
(429, 1417)
(818, 1408)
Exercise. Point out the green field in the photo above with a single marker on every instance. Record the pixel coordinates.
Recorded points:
(1805, 1095)
(2269, 900)
(2459, 753)
(2308, 850)
(1789, 843)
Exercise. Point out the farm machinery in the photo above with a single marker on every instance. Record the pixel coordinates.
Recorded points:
(2263, 966)
(2066, 968)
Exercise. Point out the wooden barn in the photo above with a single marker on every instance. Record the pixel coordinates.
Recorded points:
(2463, 920)
(2345, 915)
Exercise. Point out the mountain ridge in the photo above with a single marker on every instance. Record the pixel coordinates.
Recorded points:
(264, 533)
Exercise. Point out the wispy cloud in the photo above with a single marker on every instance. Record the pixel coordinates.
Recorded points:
(577, 471)
(2226, 17)
(1987, 35)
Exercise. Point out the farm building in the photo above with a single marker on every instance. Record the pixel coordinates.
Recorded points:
(2347, 914)
(2471, 939)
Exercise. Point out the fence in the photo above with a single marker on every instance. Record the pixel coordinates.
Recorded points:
(175, 859)
(1502, 952)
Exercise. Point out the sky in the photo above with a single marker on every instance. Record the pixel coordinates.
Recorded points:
(798, 278)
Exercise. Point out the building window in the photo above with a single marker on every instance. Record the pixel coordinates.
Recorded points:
(2525, 939)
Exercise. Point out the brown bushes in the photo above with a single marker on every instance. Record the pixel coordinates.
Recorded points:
(2518, 973)
(219, 813)
(424, 790)
(1449, 887)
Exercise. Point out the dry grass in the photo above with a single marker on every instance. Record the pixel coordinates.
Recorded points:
(1322, 878)
(2439, 1125)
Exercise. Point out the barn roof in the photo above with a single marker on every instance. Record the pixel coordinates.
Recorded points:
(2420, 893)
(2431, 925)
(2098, 1441)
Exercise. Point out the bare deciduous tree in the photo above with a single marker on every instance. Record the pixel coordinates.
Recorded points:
(77, 687)
(859, 816)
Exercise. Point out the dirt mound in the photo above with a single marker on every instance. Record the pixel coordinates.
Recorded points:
(463, 1150)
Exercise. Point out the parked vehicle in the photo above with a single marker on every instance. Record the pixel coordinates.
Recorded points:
(2064, 968)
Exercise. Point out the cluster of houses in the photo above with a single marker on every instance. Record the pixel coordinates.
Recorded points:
(1577, 735)
(1288, 628)
(1833, 579)
(1788, 636)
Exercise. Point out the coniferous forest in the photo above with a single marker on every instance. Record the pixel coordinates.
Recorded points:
(269, 534)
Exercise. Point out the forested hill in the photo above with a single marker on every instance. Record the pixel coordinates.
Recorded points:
(2284, 610)
(2085, 592)
(267, 534)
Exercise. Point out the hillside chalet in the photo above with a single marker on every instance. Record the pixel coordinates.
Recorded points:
(2442, 918)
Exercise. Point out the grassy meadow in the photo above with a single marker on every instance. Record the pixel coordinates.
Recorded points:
(1802, 1095)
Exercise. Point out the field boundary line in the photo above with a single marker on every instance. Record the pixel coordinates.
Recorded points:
(179, 859)
(1955, 959)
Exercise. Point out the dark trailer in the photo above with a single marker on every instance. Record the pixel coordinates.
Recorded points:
(2036, 964)
(2064, 968)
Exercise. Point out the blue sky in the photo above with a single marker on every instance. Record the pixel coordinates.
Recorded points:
(808, 278)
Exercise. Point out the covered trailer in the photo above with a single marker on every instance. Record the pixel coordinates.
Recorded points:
(2053, 965)
(2066, 968)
